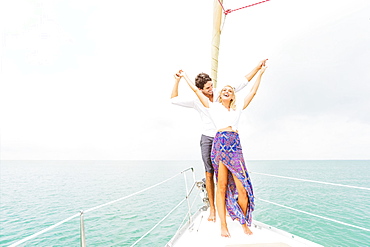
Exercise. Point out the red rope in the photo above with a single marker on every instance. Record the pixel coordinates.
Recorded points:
(228, 11)
(222, 6)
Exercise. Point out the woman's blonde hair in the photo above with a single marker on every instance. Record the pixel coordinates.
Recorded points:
(233, 100)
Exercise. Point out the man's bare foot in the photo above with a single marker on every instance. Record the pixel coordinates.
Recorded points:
(247, 230)
(212, 215)
(224, 231)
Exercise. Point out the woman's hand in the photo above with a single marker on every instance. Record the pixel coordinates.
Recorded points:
(178, 75)
(262, 70)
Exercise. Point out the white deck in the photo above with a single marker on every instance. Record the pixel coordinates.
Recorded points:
(205, 233)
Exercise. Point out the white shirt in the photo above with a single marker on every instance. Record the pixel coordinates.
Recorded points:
(222, 117)
(208, 127)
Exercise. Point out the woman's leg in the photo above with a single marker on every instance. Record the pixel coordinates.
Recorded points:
(220, 198)
(243, 201)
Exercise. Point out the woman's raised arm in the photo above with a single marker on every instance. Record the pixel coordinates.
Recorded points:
(203, 99)
(254, 89)
(175, 89)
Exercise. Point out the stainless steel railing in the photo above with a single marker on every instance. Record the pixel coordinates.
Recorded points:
(82, 213)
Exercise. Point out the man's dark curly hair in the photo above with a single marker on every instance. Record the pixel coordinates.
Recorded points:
(201, 79)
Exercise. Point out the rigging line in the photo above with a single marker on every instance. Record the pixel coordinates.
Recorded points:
(228, 11)
(313, 181)
(254, 4)
(224, 19)
(322, 217)
(222, 6)
(138, 192)
(223, 24)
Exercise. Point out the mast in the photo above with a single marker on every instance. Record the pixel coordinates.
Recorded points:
(217, 16)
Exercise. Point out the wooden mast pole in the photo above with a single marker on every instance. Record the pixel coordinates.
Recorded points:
(217, 16)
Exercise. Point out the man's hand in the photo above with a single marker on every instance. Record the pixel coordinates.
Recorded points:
(263, 67)
(262, 63)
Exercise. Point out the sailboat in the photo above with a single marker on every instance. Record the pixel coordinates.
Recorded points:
(199, 231)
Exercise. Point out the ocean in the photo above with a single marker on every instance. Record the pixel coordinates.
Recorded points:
(38, 194)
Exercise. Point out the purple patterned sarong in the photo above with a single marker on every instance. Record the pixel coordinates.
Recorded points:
(227, 149)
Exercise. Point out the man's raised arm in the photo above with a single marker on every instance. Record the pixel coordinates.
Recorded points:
(250, 75)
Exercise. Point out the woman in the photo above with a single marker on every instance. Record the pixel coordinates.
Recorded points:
(234, 188)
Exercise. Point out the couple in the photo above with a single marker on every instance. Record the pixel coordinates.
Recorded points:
(220, 145)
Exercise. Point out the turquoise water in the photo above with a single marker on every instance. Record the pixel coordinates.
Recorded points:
(38, 194)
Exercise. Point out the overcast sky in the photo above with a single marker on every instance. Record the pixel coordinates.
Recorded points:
(92, 79)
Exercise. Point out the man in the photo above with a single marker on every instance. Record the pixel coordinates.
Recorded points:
(204, 83)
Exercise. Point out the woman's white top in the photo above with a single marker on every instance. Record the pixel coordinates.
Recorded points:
(209, 128)
(223, 118)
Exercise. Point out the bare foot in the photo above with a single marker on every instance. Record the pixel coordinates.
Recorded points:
(212, 215)
(224, 231)
(247, 230)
